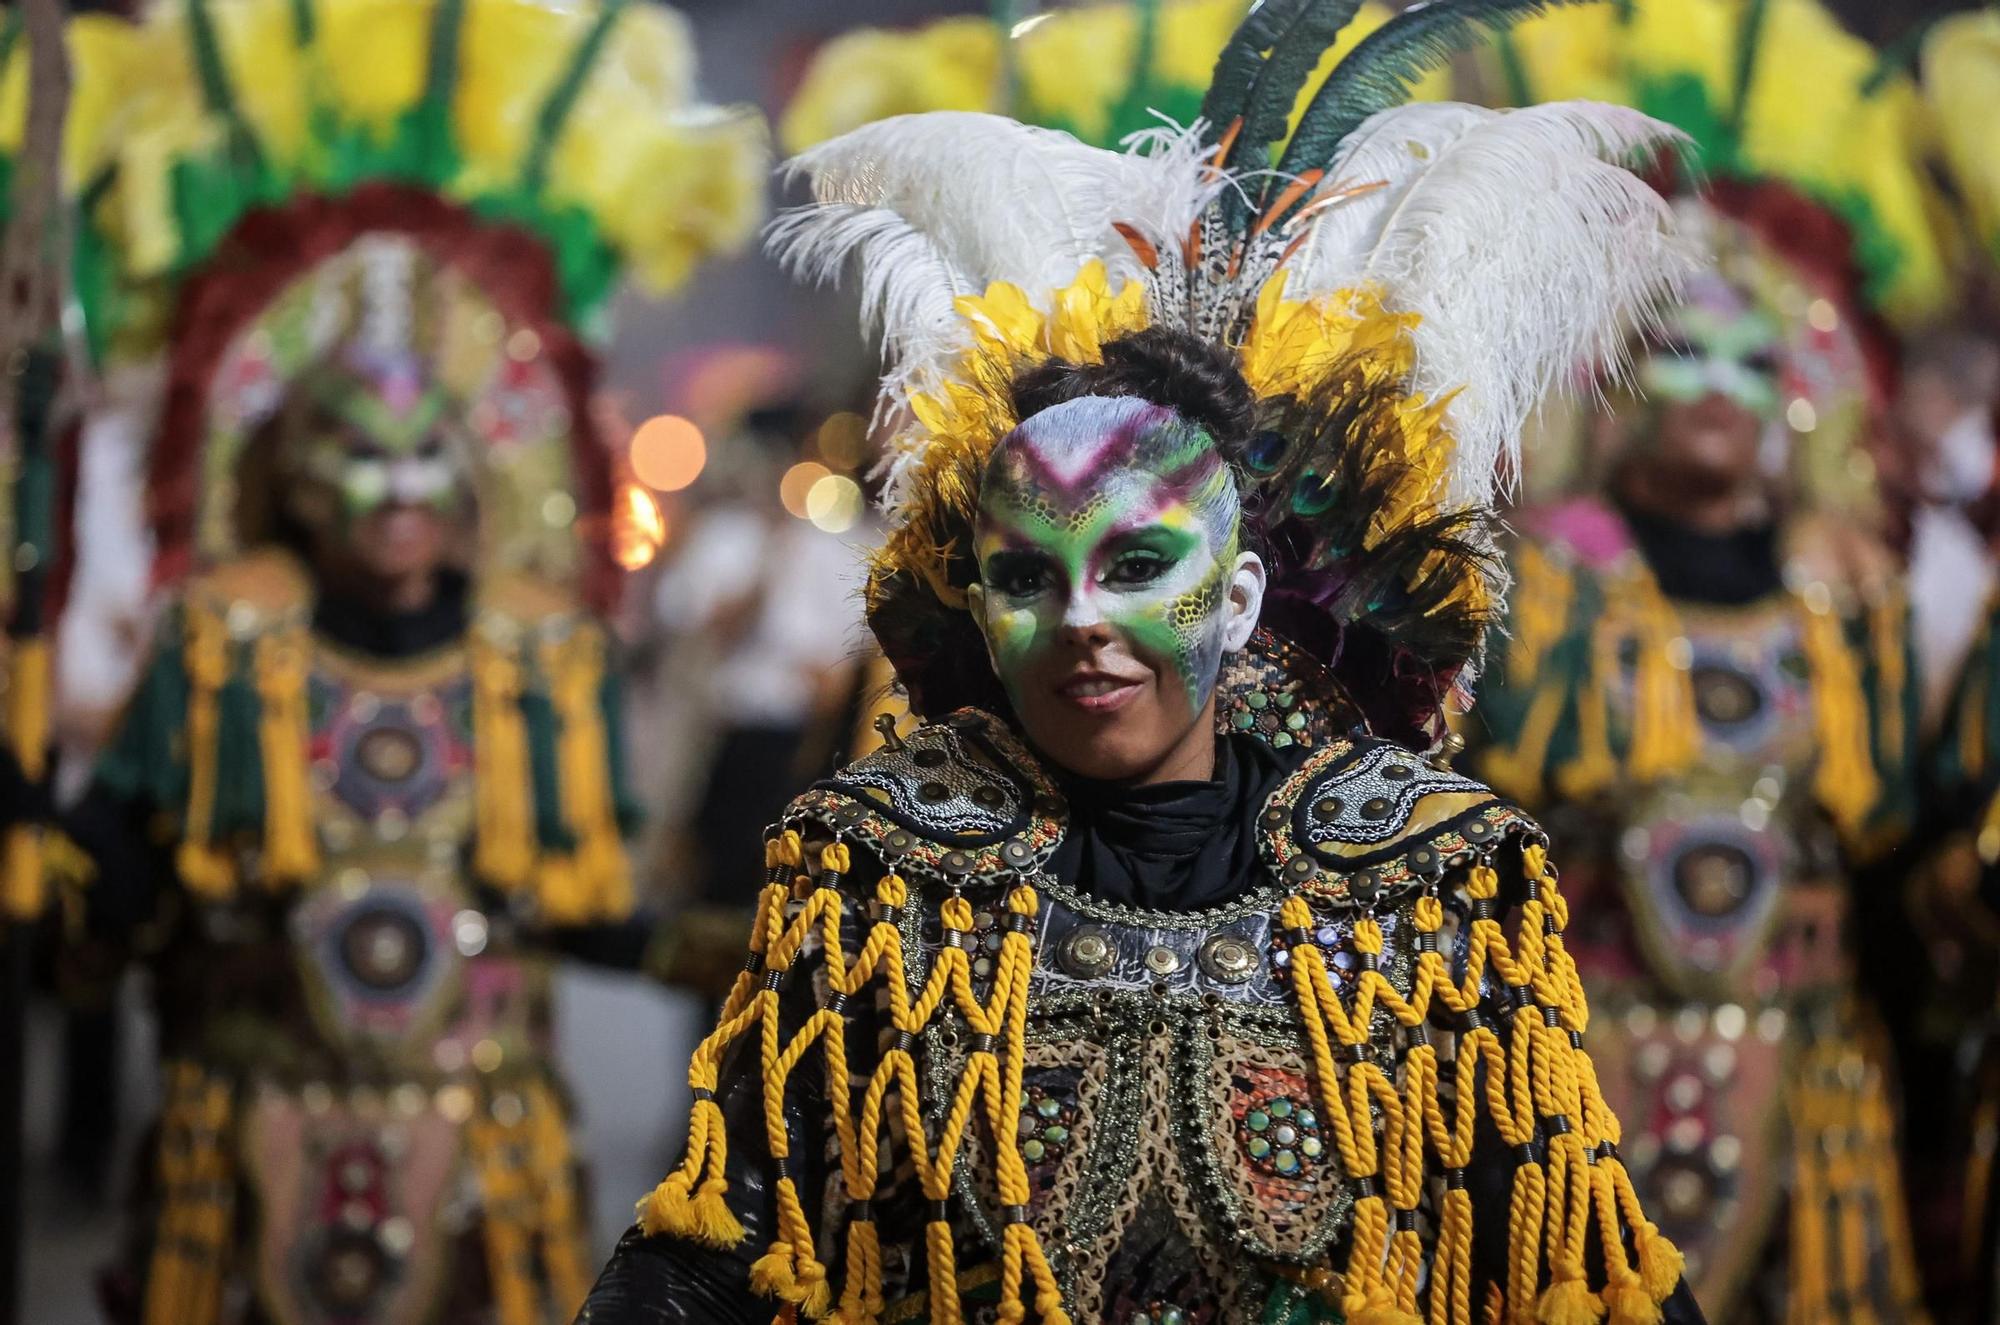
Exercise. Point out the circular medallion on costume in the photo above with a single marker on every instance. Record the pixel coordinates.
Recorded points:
(389, 754)
(1724, 696)
(1087, 952)
(383, 948)
(348, 1273)
(1714, 878)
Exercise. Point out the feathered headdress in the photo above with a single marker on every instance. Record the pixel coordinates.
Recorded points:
(471, 178)
(1099, 71)
(1806, 152)
(1399, 288)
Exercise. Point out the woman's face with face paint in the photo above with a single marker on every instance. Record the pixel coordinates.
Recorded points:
(1111, 582)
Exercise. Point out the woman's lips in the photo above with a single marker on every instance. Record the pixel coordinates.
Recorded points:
(1097, 692)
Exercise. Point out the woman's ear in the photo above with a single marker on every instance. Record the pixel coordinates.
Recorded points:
(1245, 602)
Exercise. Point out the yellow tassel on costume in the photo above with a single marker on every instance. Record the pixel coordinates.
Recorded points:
(1845, 782)
(22, 890)
(576, 674)
(291, 845)
(204, 865)
(503, 788)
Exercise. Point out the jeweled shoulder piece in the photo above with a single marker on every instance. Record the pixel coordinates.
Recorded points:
(1364, 822)
(961, 801)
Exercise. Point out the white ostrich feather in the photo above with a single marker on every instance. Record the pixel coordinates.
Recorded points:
(1519, 239)
(930, 207)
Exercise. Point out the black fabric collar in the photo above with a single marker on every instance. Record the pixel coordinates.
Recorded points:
(1173, 846)
(1726, 570)
(365, 627)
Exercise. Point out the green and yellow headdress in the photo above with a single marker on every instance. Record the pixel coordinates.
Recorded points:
(522, 156)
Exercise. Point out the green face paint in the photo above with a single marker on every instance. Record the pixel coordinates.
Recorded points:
(374, 434)
(1113, 519)
(1716, 346)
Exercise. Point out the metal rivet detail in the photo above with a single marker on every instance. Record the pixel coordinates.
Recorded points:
(1326, 807)
(1087, 952)
(1228, 959)
(956, 862)
(934, 792)
(1375, 808)
(1162, 960)
(1300, 868)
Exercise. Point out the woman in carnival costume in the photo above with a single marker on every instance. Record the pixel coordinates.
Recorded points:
(370, 776)
(1709, 687)
(1158, 975)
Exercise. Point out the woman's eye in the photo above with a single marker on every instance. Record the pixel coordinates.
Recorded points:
(1136, 568)
(1019, 581)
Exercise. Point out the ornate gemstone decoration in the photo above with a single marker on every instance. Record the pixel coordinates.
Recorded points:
(1280, 1135)
(1046, 1123)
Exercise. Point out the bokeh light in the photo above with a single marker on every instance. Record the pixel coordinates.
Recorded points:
(638, 527)
(668, 452)
(843, 440)
(797, 482)
(834, 503)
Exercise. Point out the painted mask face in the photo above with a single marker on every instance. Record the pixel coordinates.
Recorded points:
(1111, 580)
(1716, 343)
(1712, 385)
(379, 468)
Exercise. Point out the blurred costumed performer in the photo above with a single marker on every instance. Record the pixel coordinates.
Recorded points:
(1159, 975)
(371, 773)
(1708, 686)
(1955, 897)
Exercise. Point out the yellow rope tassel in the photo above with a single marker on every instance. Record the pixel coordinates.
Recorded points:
(192, 1238)
(1889, 630)
(1595, 766)
(504, 845)
(1665, 730)
(505, 1217)
(22, 891)
(291, 846)
(576, 671)
(203, 864)
(1844, 781)
(559, 1220)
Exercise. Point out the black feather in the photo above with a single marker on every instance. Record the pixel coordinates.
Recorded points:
(1242, 58)
(1293, 57)
(1380, 71)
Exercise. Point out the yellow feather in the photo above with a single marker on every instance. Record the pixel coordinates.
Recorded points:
(271, 77)
(864, 76)
(372, 54)
(510, 55)
(1961, 79)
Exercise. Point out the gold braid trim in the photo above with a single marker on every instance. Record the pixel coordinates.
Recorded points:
(598, 878)
(192, 1239)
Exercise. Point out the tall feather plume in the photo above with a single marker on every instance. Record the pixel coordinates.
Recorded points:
(933, 206)
(1518, 238)
(1382, 68)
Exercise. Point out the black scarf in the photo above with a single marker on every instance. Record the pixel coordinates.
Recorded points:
(1172, 846)
(366, 627)
(1723, 570)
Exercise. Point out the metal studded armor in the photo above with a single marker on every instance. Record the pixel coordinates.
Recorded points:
(1715, 772)
(1025, 1103)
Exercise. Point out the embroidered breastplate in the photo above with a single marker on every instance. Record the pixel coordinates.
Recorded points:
(1123, 1114)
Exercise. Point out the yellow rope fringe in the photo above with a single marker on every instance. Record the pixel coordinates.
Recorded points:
(529, 1216)
(193, 1237)
(23, 892)
(1381, 1130)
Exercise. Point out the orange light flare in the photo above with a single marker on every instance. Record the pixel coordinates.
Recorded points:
(638, 527)
(667, 452)
(797, 483)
